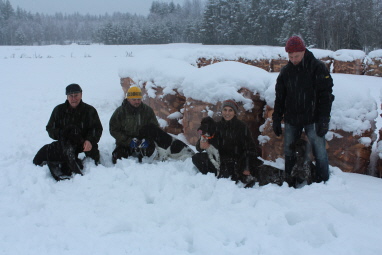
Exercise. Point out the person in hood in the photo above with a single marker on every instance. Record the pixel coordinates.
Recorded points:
(237, 150)
(77, 113)
(303, 101)
(126, 122)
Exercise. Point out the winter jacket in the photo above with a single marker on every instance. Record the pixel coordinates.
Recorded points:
(235, 143)
(83, 116)
(126, 121)
(303, 92)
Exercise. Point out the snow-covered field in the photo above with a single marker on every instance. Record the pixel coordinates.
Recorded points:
(167, 207)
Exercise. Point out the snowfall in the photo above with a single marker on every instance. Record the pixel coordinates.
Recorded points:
(168, 207)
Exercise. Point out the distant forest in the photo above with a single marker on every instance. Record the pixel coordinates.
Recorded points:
(325, 24)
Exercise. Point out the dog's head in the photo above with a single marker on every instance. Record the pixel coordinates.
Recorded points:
(299, 147)
(207, 126)
(150, 131)
(72, 134)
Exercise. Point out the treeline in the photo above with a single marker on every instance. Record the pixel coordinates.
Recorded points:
(326, 24)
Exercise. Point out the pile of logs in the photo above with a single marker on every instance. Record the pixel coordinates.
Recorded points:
(371, 67)
(374, 67)
(350, 67)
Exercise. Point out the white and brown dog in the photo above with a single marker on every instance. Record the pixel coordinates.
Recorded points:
(207, 132)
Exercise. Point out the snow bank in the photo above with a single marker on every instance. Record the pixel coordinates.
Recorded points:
(348, 55)
(354, 109)
(165, 207)
(375, 54)
(222, 81)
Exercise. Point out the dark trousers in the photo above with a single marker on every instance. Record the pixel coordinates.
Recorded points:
(62, 159)
(228, 167)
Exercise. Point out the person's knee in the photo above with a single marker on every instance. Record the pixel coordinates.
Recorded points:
(200, 160)
(195, 159)
(93, 153)
(40, 156)
(118, 153)
(37, 161)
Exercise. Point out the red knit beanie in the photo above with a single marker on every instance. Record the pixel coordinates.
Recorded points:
(231, 104)
(295, 44)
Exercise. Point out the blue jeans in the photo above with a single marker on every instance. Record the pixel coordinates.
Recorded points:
(293, 133)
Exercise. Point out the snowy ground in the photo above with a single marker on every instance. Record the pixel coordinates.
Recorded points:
(165, 207)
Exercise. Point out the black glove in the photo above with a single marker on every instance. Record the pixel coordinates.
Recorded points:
(323, 126)
(276, 125)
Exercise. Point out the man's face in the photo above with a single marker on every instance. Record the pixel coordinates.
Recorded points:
(136, 102)
(296, 57)
(74, 99)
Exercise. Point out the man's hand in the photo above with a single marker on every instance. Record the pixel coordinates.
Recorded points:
(87, 146)
(276, 125)
(144, 144)
(246, 172)
(204, 145)
(134, 143)
(323, 128)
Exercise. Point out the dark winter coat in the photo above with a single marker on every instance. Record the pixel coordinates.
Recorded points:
(83, 116)
(127, 120)
(235, 143)
(303, 92)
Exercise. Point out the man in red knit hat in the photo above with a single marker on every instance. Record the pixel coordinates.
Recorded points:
(303, 101)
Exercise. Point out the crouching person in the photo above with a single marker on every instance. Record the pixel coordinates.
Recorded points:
(237, 150)
(75, 112)
(62, 155)
(125, 124)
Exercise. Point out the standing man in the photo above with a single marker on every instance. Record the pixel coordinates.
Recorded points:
(126, 122)
(304, 100)
(75, 112)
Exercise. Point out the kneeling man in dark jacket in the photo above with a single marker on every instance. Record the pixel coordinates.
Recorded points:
(75, 112)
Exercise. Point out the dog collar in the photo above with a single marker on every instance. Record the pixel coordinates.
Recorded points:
(208, 137)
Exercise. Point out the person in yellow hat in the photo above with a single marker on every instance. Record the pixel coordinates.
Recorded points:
(126, 122)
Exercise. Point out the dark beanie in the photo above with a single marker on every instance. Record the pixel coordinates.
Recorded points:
(73, 88)
(231, 104)
(295, 44)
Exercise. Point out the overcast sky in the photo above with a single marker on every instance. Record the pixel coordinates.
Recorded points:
(87, 6)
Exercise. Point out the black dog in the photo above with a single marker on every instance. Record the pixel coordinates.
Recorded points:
(166, 145)
(266, 174)
(304, 169)
(208, 132)
(62, 155)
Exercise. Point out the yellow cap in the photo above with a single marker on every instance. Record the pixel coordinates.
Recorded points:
(134, 92)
